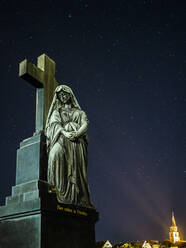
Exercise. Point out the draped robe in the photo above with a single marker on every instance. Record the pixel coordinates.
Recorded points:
(67, 162)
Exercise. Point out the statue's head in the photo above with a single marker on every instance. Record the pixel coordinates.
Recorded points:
(63, 93)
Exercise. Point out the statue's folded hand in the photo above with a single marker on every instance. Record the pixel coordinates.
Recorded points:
(68, 135)
(74, 135)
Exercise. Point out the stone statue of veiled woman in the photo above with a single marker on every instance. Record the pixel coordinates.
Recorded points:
(65, 131)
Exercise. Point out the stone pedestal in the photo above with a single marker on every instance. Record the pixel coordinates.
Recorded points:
(46, 224)
(32, 217)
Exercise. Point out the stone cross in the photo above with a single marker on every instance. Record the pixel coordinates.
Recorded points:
(42, 77)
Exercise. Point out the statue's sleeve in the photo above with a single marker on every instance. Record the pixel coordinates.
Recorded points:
(54, 129)
(84, 118)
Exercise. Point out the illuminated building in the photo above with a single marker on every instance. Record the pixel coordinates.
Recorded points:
(174, 235)
(173, 242)
(103, 244)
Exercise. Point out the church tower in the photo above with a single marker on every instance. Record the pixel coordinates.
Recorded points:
(174, 235)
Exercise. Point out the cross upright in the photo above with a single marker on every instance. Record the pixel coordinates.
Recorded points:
(42, 77)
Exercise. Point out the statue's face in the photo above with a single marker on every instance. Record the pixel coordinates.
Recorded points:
(63, 96)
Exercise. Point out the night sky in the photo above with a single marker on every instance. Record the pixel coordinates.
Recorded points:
(125, 61)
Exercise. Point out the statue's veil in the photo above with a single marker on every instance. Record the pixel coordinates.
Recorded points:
(56, 103)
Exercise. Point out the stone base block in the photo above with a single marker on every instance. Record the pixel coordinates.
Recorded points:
(65, 228)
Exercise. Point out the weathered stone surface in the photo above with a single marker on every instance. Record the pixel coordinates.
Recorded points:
(25, 187)
(31, 160)
(21, 231)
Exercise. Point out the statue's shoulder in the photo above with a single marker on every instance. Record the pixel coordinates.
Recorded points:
(80, 111)
(59, 110)
(56, 113)
(83, 115)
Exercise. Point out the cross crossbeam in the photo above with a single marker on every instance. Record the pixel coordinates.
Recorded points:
(42, 77)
